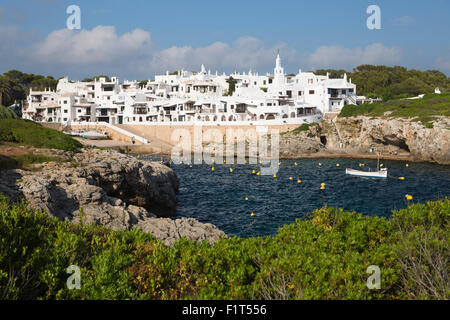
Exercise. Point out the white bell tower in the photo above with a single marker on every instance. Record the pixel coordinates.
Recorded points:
(278, 72)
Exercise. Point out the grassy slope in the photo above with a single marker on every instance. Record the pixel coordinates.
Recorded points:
(26, 161)
(424, 110)
(32, 134)
(323, 257)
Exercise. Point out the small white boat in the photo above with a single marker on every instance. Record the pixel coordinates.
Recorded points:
(382, 173)
(93, 135)
(379, 173)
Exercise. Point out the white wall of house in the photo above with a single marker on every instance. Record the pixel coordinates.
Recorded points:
(192, 97)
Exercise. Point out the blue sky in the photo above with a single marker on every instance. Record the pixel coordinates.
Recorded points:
(136, 39)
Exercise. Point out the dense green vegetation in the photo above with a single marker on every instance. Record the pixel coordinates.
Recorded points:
(15, 85)
(33, 134)
(424, 110)
(323, 257)
(231, 86)
(6, 113)
(392, 82)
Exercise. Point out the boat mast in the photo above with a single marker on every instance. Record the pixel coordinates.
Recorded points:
(378, 162)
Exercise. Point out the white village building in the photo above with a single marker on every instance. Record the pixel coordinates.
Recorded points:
(189, 98)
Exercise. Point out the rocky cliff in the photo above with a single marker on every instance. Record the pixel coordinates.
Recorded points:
(107, 188)
(357, 135)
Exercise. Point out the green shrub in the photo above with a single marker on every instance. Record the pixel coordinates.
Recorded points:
(33, 134)
(424, 110)
(421, 246)
(323, 257)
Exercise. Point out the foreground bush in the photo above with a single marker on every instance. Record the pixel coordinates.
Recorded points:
(322, 257)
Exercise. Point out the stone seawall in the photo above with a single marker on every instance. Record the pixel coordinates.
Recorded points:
(165, 132)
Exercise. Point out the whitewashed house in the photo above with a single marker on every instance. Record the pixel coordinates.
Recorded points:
(186, 97)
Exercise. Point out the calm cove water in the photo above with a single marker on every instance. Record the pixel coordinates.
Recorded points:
(219, 197)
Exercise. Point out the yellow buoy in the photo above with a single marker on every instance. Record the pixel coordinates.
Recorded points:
(246, 198)
(295, 164)
(252, 214)
(337, 164)
(279, 163)
(402, 178)
(212, 169)
(224, 161)
(258, 174)
(231, 170)
(381, 164)
(274, 175)
(299, 181)
(407, 165)
(290, 178)
(253, 172)
(322, 186)
(408, 197)
(320, 164)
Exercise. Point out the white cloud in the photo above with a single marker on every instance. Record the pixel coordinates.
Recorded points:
(102, 50)
(244, 53)
(100, 45)
(341, 57)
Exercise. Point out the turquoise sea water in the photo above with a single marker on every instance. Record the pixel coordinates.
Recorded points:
(219, 197)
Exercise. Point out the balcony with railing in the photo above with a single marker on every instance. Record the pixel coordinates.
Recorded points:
(140, 111)
(337, 96)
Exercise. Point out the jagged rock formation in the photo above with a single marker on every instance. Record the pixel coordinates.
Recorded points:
(361, 133)
(357, 135)
(110, 189)
(303, 142)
